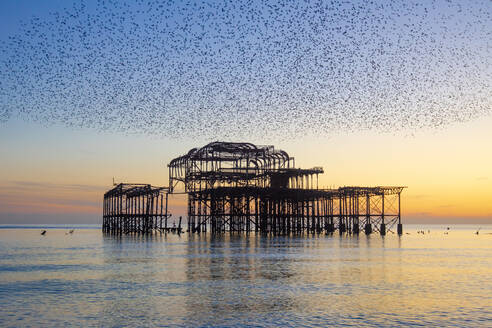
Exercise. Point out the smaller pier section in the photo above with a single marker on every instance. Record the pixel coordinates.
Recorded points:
(135, 208)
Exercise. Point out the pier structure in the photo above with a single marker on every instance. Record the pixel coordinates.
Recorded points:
(243, 187)
(135, 208)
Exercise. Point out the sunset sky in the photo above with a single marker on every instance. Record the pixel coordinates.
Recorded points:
(52, 172)
(56, 174)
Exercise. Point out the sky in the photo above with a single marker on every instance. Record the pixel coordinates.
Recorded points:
(58, 159)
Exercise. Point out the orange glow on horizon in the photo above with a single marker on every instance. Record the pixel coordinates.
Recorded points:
(448, 173)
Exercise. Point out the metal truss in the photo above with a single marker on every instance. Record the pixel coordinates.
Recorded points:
(138, 208)
(244, 187)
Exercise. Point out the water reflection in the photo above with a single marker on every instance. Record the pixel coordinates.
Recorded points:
(234, 274)
(219, 279)
(90, 279)
(132, 276)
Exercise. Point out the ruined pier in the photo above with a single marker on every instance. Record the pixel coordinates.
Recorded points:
(241, 187)
(135, 208)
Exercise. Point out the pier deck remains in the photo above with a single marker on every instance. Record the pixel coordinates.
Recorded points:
(135, 208)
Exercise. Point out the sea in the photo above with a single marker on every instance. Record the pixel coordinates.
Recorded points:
(439, 278)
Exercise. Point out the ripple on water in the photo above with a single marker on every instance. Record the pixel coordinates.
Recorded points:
(247, 281)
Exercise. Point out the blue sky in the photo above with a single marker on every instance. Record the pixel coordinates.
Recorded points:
(229, 69)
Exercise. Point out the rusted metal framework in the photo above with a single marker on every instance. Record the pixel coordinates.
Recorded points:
(244, 187)
(140, 208)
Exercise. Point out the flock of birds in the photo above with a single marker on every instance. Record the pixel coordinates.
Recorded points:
(230, 69)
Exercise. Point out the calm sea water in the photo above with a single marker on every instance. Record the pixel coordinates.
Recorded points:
(89, 279)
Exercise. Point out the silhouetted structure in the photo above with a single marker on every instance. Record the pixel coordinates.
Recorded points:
(135, 208)
(244, 187)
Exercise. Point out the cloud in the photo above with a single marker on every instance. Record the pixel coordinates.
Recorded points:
(420, 213)
(32, 185)
(47, 197)
(43, 218)
(418, 196)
